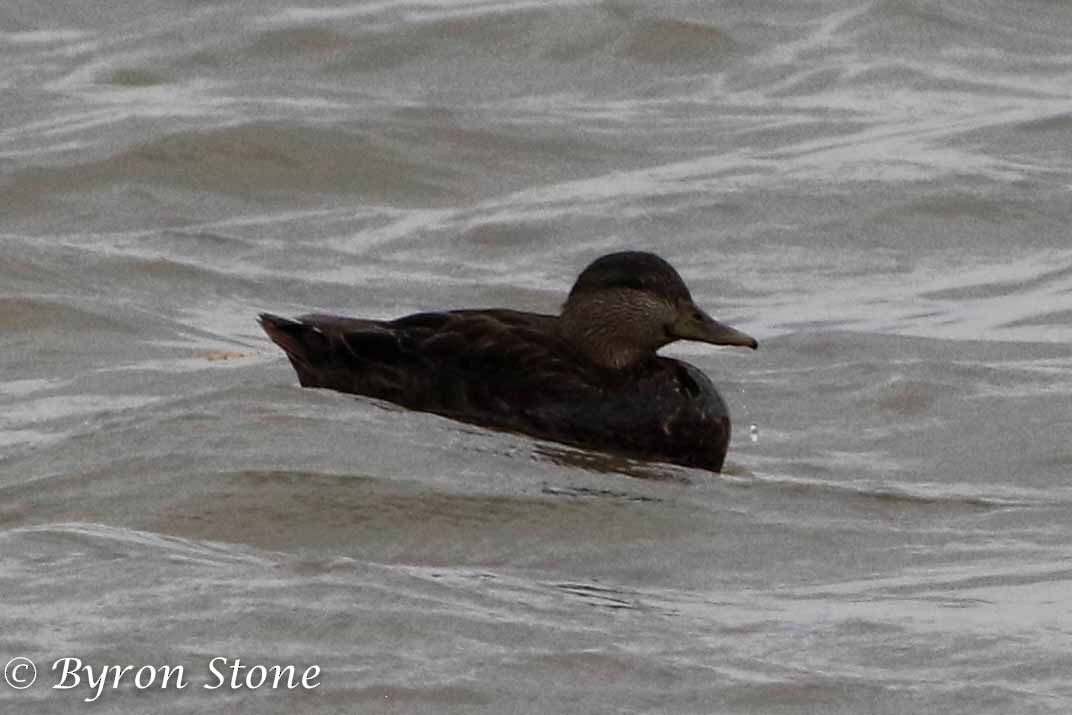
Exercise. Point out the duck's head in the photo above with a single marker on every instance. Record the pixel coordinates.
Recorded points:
(625, 306)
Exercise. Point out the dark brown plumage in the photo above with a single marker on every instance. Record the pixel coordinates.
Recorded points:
(588, 377)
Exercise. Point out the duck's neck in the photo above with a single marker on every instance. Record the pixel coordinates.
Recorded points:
(602, 336)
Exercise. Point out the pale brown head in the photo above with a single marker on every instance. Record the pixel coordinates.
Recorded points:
(625, 306)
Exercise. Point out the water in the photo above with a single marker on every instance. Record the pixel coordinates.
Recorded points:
(880, 192)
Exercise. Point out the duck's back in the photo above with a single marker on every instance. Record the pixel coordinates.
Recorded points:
(511, 370)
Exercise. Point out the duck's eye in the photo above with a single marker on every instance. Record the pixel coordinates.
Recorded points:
(697, 316)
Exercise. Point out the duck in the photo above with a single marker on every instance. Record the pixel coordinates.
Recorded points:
(589, 377)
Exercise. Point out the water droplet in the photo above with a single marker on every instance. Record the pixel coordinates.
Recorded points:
(753, 432)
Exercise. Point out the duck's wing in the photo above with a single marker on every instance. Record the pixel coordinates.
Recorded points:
(495, 367)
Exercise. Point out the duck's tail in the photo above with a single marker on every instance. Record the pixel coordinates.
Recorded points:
(306, 345)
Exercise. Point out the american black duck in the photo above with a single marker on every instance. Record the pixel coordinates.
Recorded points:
(588, 377)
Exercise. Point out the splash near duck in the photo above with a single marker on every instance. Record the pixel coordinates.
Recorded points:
(588, 377)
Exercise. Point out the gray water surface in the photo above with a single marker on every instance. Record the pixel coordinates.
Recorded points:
(880, 192)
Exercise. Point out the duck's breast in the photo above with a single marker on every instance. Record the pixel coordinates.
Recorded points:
(672, 412)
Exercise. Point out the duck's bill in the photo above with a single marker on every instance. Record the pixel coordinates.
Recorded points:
(700, 326)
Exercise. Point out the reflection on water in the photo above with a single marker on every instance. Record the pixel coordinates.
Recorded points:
(570, 458)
